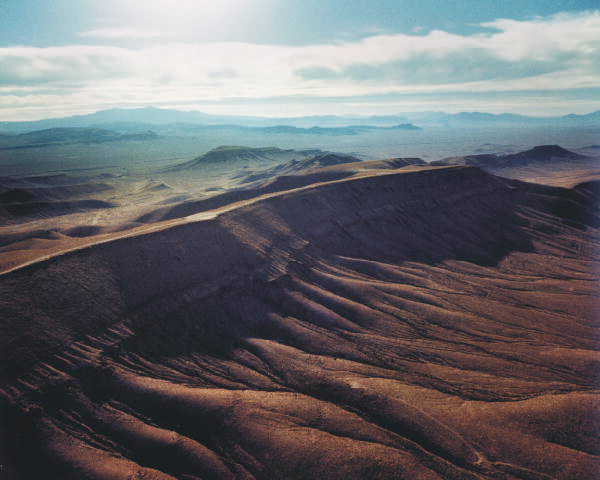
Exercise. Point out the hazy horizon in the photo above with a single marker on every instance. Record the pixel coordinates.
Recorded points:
(269, 115)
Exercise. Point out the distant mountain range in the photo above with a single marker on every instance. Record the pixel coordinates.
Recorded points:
(141, 119)
(136, 131)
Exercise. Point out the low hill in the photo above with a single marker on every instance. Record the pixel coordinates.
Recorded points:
(228, 156)
(294, 167)
(68, 136)
(543, 164)
(541, 154)
(24, 199)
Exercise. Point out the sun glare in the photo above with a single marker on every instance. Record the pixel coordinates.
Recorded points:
(204, 17)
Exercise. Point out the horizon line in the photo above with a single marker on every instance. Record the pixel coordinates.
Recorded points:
(293, 116)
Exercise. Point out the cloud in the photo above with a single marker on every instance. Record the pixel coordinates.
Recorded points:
(558, 52)
(316, 73)
(117, 33)
(63, 66)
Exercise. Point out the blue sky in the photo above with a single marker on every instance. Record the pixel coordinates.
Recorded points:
(277, 57)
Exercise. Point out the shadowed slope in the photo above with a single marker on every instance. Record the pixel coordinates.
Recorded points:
(433, 324)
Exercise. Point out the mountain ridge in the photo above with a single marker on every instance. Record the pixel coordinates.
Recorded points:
(537, 154)
(160, 116)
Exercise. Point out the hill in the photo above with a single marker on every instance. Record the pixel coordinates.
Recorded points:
(228, 156)
(542, 154)
(544, 164)
(68, 136)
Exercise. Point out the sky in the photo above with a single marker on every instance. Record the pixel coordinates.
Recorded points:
(292, 58)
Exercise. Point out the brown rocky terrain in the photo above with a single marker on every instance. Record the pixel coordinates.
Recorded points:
(547, 164)
(43, 215)
(421, 323)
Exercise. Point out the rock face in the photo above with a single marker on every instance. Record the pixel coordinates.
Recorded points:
(432, 324)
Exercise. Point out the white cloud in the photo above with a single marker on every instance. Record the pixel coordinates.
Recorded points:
(558, 52)
(116, 33)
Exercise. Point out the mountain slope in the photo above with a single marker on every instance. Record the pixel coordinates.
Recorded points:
(548, 164)
(293, 167)
(432, 324)
(229, 156)
(541, 154)
(324, 167)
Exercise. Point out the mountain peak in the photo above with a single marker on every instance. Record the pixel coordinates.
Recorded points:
(542, 152)
(550, 149)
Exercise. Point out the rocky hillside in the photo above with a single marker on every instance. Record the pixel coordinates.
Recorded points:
(427, 324)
